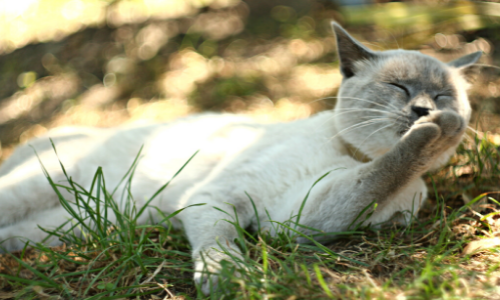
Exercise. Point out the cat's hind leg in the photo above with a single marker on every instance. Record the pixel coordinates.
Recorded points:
(15, 236)
(25, 190)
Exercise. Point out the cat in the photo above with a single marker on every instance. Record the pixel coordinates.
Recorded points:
(402, 112)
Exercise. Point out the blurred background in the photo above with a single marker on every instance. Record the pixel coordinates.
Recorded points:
(105, 63)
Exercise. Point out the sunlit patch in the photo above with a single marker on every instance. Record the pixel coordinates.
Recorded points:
(34, 131)
(163, 110)
(48, 90)
(72, 9)
(283, 110)
(27, 21)
(187, 69)
(494, 138)
(13, 9)
(314, 81)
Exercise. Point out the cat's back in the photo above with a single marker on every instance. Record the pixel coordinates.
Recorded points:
(117, 146)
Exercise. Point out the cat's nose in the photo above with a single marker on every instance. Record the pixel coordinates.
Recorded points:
(420, 111)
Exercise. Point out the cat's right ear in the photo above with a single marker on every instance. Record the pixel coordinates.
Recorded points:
(349, 51)
(467, 65)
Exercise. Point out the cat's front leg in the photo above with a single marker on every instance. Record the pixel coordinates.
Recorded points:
(395, 177)
(392, 180)
(212, 231)
(430, 138)
(208, 259)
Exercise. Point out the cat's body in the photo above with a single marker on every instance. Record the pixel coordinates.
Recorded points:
(404, 111)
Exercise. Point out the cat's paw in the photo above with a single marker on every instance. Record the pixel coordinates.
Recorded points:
(206, 276)
(207, 267)
(450, 123)
(423, 133)
(434, 137)
(441, 129)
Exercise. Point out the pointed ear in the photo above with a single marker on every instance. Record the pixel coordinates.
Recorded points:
(349, 50)
(466, 60)
(465, 65)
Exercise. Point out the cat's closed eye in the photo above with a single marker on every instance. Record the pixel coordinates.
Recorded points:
(399, 87)
(442, 97)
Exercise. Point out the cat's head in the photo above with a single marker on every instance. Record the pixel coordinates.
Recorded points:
(384, 92)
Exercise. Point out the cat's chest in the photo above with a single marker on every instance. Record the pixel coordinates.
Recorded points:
(282, 157)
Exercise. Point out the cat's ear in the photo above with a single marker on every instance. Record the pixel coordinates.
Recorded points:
(466, 65)
(349, 50)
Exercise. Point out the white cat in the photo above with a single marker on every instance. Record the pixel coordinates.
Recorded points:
(405, 112)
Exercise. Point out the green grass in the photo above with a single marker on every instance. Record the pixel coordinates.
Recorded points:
(122, 259)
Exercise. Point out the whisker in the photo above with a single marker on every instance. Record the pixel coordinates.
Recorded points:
(353, 110)
(355, 126)
(360, 99)
(357, 148)
(380, 119)
(373, 44)
(470, 139)
(487, 66)
(361, 109)
(473, 130)
(389, 117)
(358, 110)
(395, 39)
(321, 99)
(373, 102)
(349, 110)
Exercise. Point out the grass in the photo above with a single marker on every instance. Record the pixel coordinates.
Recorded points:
(104, 258)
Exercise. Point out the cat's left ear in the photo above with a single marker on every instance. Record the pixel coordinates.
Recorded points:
(349, 51)
(466, 65)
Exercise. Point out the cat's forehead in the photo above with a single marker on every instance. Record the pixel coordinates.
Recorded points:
(412, 67)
